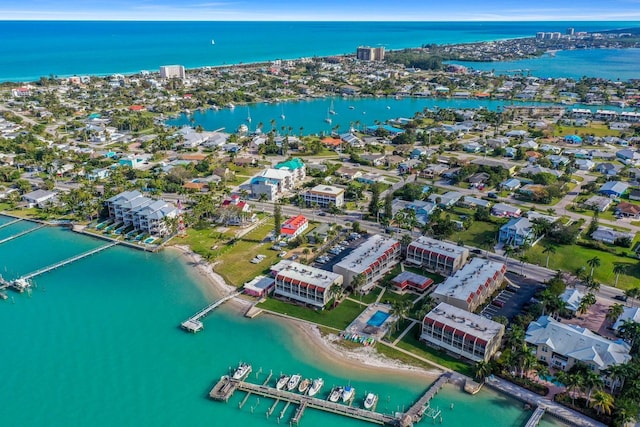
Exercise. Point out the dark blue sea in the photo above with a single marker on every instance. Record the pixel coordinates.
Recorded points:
(32, 49)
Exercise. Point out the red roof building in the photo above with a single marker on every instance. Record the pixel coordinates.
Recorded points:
(294, 226)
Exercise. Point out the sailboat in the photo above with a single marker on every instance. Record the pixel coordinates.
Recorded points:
(331, 110)
(282, 116)
(328, 119)
(213, 41)
(248, 115)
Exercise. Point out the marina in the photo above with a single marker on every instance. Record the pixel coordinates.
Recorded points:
(224, 389)
(194, 323)
(22, 233)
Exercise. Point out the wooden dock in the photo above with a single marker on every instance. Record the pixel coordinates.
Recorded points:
(68, 261)
(6, 224)
(194, 323)
(224, 389)
(535, 418)
(22, 233)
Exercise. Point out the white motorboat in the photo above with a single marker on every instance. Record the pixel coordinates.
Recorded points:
(282, 382)
(370, 401)
(304, 385)
(316, 386)
(241, 371)
(335, 394)
(348, 393)
(293, 382)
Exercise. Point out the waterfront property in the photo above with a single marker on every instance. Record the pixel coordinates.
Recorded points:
(259, 287)
(373, 259)
(470, 286)
(437, 256)
(374, 322)
(408, 279)
(324, 196)
(561, 346)
(306, 284)
(40, 198)
(147, 215)
(462, 333)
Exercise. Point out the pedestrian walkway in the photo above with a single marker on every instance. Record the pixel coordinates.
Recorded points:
(405, 332)
(554, 409)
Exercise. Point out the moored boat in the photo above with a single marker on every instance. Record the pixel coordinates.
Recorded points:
(282, 382)
(241, 371)
(293, 382)
(370, 401)
(304, 385)
(347, 393)
(316, 386)
(335, 394)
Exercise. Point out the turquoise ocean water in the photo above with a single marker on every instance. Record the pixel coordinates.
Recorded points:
(31, 49)
(97, 342)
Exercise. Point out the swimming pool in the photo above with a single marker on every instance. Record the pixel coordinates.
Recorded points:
(378, 318)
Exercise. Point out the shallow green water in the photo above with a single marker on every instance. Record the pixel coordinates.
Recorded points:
(98, 342)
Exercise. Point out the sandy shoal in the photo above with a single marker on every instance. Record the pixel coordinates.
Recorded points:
(308, 336)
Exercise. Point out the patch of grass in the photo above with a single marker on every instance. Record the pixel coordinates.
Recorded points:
(390, 297)
(571, 257)
(411, 343)
(371, 296)
(477, 234)
(235, 265)
(202, 241)
(393, 353)
(337, 318)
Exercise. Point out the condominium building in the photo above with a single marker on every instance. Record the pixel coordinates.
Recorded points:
(296, 167)
(470, 286)
(462, 333)
(172, 72)
(434, 255)
(305, 284)
(373, 259)
(273, 183)
(367, 53)
(294, 226)
(142, 213)
(562, 345)
(324, 196)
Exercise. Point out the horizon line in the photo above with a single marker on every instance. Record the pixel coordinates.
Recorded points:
(506, 19)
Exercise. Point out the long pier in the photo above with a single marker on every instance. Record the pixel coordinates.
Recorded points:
(224, 389)
(194, 323)
(22, 233)
(535, 418)
(68, 261)
(11, 222)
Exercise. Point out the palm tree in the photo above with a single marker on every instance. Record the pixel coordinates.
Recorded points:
(508, 251)
(618, 269)
(400, 309)
(483, 370)
(592, 381)
(358, 281)
(335, 292)
(602, 402)
(630, 332)
(593, 263)
(632, 293)
(549, 249)
(617, 374)
(587, 301)
(592, 285)
(614, 312)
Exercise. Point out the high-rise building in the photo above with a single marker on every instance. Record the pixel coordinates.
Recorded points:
(367, 53)
(570, 31)
(172, 71)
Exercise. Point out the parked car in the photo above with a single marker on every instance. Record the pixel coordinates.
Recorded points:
(620, 298)
(294, 257)
(497, 303)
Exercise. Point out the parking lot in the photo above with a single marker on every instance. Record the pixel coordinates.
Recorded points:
(510, 301)
(334, 258)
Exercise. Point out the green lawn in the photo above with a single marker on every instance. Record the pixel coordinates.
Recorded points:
(202, 241)
(411, 343)
(477, 234)
(235, 264)
(338, 318)
(571, 257)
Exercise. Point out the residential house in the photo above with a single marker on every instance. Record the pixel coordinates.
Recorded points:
(634, 194)
(348, 173)
(511, 184)
(628, 210)
(446, 200)
(558, 161)
(504, 210)
(478, 178)
(614, 188)
(40, 198)
(472, 202)
(561, 346)
(609, 235)
(584, 164)
(608, 169)
(234, 211)
(516, 232)
(571, 299)
(600, 203)
(630, 314)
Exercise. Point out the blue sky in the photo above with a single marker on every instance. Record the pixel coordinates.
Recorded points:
(323, 10)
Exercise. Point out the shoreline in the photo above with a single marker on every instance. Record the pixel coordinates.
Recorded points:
(365, 360)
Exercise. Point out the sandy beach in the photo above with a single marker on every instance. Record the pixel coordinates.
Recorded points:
(363, 359)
